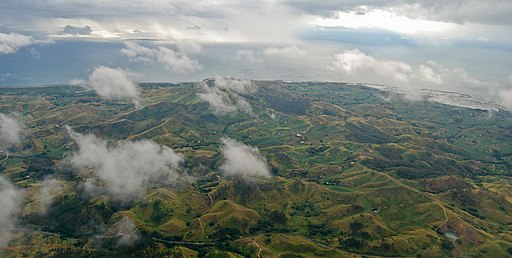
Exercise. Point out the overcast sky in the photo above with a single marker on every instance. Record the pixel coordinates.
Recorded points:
(463, 45)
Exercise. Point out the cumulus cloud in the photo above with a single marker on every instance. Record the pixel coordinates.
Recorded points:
(126, 168)
(357, 65)
(247, 56)
(45, 196)
(10, 203)
(355, 61)
(223, 95)
(12, 42)
(242, 160)
(10, 130)
(73, 30)
(177, 62)
(113, 83)
(285, 52)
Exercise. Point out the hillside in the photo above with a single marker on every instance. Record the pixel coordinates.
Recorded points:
(354, 170)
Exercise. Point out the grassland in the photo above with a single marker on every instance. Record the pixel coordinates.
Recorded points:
(355, 171)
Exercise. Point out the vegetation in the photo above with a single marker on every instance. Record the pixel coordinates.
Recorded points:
(353, 174)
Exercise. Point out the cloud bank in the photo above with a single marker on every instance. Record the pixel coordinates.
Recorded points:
(177, 62)
(10, 203)
(126, 168)
(114, 83)
(356, 65)
(10, 130)
(355, 61)
(223, 95)
(242, 160)
(12, 42)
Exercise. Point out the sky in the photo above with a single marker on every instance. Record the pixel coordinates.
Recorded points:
(458, 45)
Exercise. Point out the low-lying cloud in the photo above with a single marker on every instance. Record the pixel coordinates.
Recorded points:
(114, 83)
(175, 61)
(505, 98)
(12, 42)
(126, 168)
(46, 194)
(355, 61)
(242, 160)
(10, 203)
(10, 130)
(126, 231)
(223, 95)
(356, 65)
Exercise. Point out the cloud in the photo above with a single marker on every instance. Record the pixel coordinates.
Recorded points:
(45, 197)
(10, 203)
(113, 83)
(284, 52)
(10, 130)
(355, 62)
(189, 47)
(12, 42)
(247, 56)
(495, 12)
(459, 11)
(126, 168)
(356, 65)
(177, 62)
(223, 95)
(78, 82)
(242, 160)
(73, 30)
(505, 98)
(126, 231)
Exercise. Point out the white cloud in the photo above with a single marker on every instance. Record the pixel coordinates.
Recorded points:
(223, 95)
(247, 56)
(382, 19)
(284, 52)
(354, 61)
(126, 231)
(46, 194)
(188, 47)
(356, 65)
(127, 167)
(12, 42)
(10, 203)
(113, 83)
(10, 130)
(78, 82)
(242, 160)
(505, 98)
(177, 62)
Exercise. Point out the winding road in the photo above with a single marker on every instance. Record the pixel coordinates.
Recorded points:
(259, 248)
